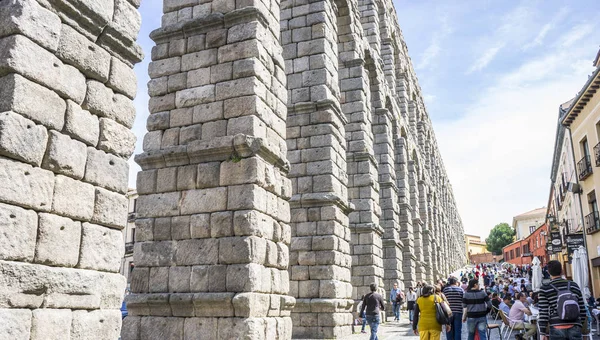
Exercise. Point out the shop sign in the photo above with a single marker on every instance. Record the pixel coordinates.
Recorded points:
(556, 242)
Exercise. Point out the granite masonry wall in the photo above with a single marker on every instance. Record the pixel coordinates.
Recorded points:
(289, 163)
(66, 108)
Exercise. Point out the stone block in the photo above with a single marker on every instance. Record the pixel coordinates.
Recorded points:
(179, 279)
(110, 209)
(16, 324)
(249, 305)
(195, 96)
(31, 20)
(50, 324)
(58, 241)
(73, 198)
(158, 205)
(240, 250)
(144, 229)
(245, 278)
(159, 328)
(162, 228)
(208, 175)
(18, 236)
(166, 179)
(199, 279)
(81, 124)
(98, 324)
(126, 21)
(180, 227)
(252, 222)
(159, 279)
(164, 67)
(25, 186)
(20, 55)
(200, 225)
(75, 49)
(20, 95)
(197, 252)
(158, 121)
(122, 78)
(199, 59)
(103, 102)
(221, 224)
(116, 138)
(200, 329)
(131, 328)
(106, 170)
(101, 248)
(208, 112)
(186, 177)
(177, 82)
(65, 156)
(204, 200)
(21, 139)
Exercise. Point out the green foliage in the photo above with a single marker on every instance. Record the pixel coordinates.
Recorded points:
(500, 236)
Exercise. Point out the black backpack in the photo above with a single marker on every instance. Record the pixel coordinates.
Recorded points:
(567, 304)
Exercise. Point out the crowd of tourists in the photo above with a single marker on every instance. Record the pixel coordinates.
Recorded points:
(482, 297)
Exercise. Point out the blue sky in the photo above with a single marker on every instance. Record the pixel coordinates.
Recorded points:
(493, 74)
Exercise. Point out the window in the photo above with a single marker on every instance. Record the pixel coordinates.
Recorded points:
(518, 251)
(585, 150)
(505, 256)
(512, 254)
(526, 248)
(531, 229)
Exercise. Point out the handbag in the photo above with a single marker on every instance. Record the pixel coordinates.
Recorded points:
(441, 315)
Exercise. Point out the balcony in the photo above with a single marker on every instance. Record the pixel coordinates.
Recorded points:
(597, 154)
(584, 168)
(128, 248)
(592, 223)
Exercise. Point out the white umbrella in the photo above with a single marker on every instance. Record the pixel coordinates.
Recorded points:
(580, 271)
(536, 275)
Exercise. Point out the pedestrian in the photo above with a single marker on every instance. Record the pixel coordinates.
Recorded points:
(454, 295)
(425, 324)
(395, 305)
(419, 289)
(516, 316)
(477, 305)
(372, 307)
(411, 299)
(562, 311)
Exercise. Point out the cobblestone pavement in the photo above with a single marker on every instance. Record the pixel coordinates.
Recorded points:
(403, 330)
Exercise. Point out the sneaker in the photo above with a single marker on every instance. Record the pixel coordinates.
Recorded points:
(364, 332)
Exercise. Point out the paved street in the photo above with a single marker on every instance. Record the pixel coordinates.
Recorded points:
(402, 330)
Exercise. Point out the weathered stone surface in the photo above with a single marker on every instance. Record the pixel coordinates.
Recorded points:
(157, 205)
(50, 324)
(81, 124)
(122, 78)
(126, 21)
(17, 233)
(31, 100)
(65, 156)
(154, 328)
(58, 241)
(16, 324)
(21, 55)
(25, 186)
(73, 198)
(79, 51)
(110, 209)
(101, 248)
(103, 102)
(116, 138)
(21, 139)
(31, 20)
(98, 324)
(204, 200)
(106, 170)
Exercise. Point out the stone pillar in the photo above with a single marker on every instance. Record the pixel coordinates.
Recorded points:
(212, 243)
(417, 223)
(405, 214)
(383, 128)
(320, 258)
(66, 108)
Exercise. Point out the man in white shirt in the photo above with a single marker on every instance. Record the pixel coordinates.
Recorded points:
(516, 316)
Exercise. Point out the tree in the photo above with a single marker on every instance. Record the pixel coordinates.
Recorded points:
(500, 236)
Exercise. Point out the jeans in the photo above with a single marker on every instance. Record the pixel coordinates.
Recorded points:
(364, 321)
(410, 314)
(396, 310)
(479, 324)
(456, 331)
(373, 321)
(573, 333)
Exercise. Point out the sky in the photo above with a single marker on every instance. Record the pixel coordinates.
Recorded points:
(493, 74)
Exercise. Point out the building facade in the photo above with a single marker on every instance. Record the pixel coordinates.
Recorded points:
(526, 223)
(582, 119)
(477, 250)
(127, 263)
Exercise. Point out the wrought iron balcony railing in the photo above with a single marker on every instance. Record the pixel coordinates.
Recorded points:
(597, 154)
(584, 168)
(592, 223)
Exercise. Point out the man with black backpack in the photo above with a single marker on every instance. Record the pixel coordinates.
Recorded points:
(562, 311)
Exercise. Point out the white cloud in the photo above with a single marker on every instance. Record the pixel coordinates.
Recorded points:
(575, 34)
(539, 39)
(435, 47)
(485, 58)
(498, 154)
